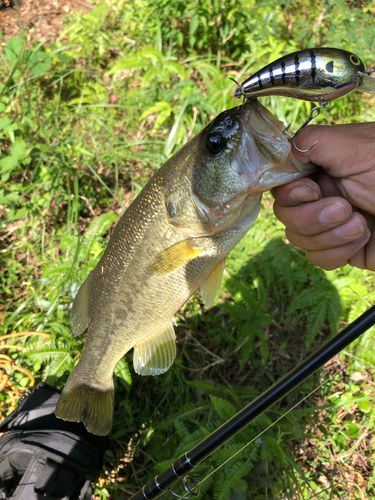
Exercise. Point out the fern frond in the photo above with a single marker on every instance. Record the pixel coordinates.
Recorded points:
(47, 354)
(281, 263)
(224, 408)
(274, 446)
(248, 295)
(232, 451)
(263, 345)
(206, 484)
(181, 429)
(245, 342)
(306, 298)
(97, 227)
(334, 312)
(316, 320)
(192, 439)
(122, 371)
(295, 420)
(233, 480)
(356, 310)
(60, 365)
(188, 412)
(206, 387)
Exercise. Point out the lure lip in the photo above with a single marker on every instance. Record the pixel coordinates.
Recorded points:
(366, 82)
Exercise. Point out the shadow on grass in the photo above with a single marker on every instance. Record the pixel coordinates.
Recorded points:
(275, 309)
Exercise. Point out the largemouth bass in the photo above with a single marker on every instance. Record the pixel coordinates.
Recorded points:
(172, 240)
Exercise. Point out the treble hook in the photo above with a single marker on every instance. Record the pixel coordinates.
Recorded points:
(314, 113)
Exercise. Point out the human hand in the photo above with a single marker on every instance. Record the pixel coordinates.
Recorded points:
(333, 216)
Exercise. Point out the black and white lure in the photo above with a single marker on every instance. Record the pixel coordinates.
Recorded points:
(319, 75)
(312, 75)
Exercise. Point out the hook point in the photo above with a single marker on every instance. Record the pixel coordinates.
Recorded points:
(303, 150)
(287, 128)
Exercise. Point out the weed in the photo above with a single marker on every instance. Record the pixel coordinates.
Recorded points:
(83, 125)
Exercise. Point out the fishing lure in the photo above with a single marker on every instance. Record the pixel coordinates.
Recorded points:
(312, 75)
(322, 74)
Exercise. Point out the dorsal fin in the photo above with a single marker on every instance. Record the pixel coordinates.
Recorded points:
(79, 317)
(155, 355)
(212, 284)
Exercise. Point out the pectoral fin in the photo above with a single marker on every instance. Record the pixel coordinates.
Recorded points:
(175, 257)
(156, 355)
(79, 316)
(212, 284)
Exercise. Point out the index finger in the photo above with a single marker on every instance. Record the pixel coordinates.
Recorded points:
(297, 192)
(335, 143)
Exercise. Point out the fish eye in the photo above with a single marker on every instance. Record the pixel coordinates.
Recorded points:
(355, 60)
(215, 144)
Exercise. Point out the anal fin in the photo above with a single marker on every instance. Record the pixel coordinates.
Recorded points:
(175, 257)
(156, 355)
(212, 284)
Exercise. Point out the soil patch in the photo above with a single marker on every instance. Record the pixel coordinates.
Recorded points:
(41, 19)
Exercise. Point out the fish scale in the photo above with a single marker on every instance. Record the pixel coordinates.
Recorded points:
(172, 240)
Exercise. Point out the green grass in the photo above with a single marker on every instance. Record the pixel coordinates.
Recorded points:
(83, 125)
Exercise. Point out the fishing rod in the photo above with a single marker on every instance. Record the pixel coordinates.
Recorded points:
(188, 461)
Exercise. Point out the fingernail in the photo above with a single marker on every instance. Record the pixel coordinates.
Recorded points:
(352, 228)
(303, 194)
(336, 212)
(363, 238)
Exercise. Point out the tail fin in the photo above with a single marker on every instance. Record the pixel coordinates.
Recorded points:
(81, 401)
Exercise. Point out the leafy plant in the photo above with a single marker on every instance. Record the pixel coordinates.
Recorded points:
(84, 123)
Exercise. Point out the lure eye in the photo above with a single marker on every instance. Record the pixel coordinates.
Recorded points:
(355, 60)
(215, 144)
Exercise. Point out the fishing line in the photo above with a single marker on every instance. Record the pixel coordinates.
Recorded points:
(278, 420)
(285, 414)
(192, 458)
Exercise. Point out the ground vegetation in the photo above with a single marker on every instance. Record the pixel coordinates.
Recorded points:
(88, 111)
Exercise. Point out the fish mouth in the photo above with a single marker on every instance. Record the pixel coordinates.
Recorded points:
(262, 146)
(264, 155)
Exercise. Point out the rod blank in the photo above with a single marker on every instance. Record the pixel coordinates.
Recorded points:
(185, 463)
